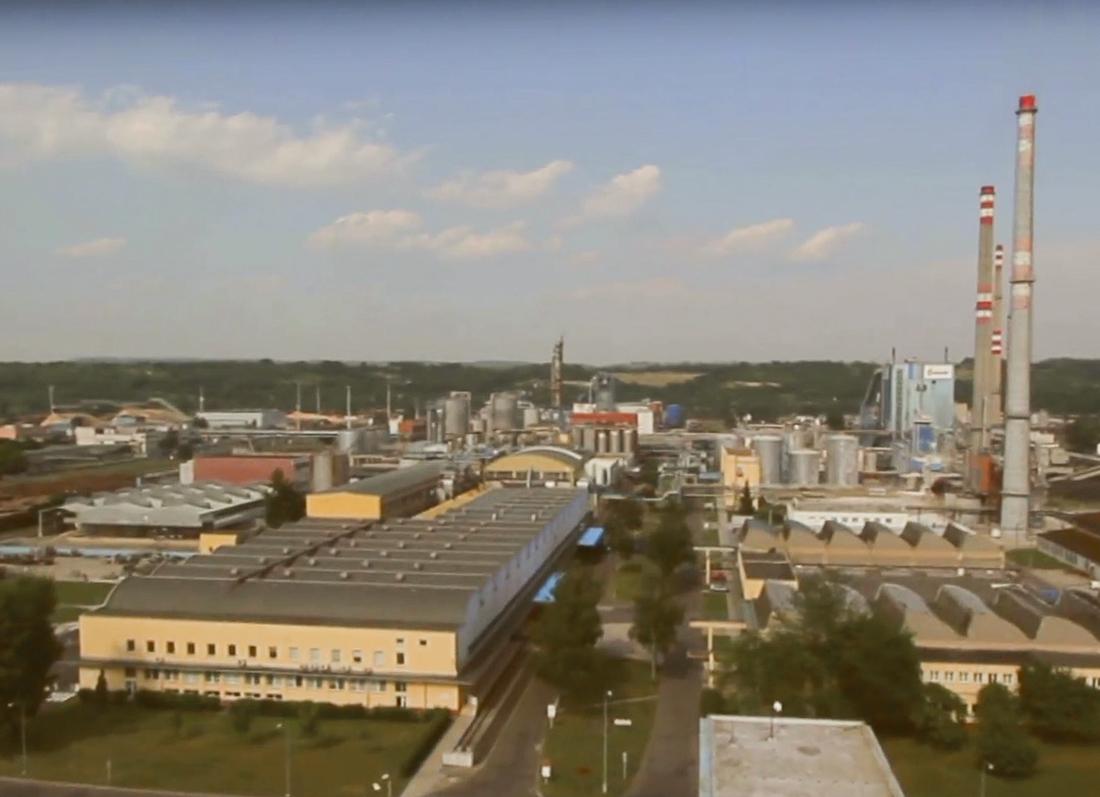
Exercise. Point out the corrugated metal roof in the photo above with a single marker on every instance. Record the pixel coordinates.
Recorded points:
(394, 481)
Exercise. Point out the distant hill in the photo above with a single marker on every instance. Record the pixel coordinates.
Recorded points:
(717, 390)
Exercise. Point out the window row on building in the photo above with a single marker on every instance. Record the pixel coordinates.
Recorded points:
(210, 677)
(966, 677)
(318, 656)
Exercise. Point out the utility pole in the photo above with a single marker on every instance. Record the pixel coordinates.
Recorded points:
(298, 405)
(605, 697)
(347, 399)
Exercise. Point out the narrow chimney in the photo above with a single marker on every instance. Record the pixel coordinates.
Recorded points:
(983, 326)
(997, 339)
(1016, 490)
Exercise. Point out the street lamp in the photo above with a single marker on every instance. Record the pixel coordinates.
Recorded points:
(605, 697)
(389, 785)
(22, 734)
(285, 728)
(777, 708)
(986, 767)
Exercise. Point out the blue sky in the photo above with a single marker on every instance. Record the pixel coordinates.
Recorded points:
(468, 181)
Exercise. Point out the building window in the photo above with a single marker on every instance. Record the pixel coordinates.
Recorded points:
(935, 674)
(949, 675)
(294, 654)
(423, 643)
(357, 657)
(273, 652)
(1006, 678)
(379, 658)
(131, 646)
(315, 655)
(335, 656)
(232, 651)
(400, 640)
(190, 648)
(171, 647)
(130, 672)
(251, 651)
(211, 649)
(978, 678)
(400, 686)
(964, 677)
(150, 646)
(400, 657)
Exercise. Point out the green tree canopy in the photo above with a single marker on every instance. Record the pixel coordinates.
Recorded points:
(1002, 742)
(28, 648)
(669, 545)
(1058, 706)
(657, 616)
(566, 634)
(284, 504)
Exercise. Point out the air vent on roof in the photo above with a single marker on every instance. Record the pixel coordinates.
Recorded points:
(234, 571)
(434, 555)
(418, 535)
(447, 545)
(334, 551)
(383, 553)
(401, 544)
(312, 561)
(384, 527)
(351, 543)
(345, 525)
(493, 516)
(288, 573)
(263, 560)
(400, 577)
(344, 575)
(534, 516)
(366, 564)
(417, 566)
(462, 537)
(285, 550)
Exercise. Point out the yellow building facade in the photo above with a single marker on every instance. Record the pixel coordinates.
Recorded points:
(739, 466)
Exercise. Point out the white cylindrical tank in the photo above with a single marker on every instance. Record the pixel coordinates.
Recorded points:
(504, 410)
(589, 438)
(615, 441)
(841, 460)
(630, 441)
(804, 466)
(601, 441)
(348, 441)
(456, 416)
(578, 437)
(769, 448)
(322, 475)
(530, 417)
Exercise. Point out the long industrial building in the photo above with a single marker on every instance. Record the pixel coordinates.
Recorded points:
(407, 612)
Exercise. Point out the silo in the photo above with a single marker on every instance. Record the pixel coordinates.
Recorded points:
(456, 416)
(615, 441)
(805, 467)
(321, 477)
(578, 437)
(589, 438)
(841, 460)
(601, 441)
(530, 417)
(604, 392)
(630, 441)
(348, 441)
(769, 448)
(472, 440)
(504, 409)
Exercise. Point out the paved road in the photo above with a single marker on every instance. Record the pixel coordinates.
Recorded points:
(512, 765)
(10, 787)
(671, 763)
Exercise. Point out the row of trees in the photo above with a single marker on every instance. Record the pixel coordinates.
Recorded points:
(28, 648)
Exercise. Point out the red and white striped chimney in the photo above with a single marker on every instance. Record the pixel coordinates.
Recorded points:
(981, 406)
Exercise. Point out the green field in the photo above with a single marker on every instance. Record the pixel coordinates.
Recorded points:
(1064, 771)
(66, 614)
(74, 742)
(81, 593)
(626, 585)
(1033, 557)
(715, 606)
(574, 746)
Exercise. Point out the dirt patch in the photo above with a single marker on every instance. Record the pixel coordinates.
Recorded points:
(656, 378)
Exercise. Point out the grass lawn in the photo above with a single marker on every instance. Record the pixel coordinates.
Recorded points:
(1033, 557)
(574, 746)
(74, 742)
(924, 772)
(81, 593)
(707, 537)
(715, 606)
(66, 614)
(627, 582)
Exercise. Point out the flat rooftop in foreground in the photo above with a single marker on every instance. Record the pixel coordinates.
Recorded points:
(806, 758)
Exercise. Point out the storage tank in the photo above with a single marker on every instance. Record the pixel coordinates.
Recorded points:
(630, 441)
(674, 416)
(348, 441)
(804, 466)
(601, 441)
(578, 438)
(504, 410)
(322, 472)
(530, 417)
(589, 438)
(841, 460)
(456, 416)
(615, 441)
(769, 448)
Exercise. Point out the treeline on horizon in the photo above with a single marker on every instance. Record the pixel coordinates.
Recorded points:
(767, 390)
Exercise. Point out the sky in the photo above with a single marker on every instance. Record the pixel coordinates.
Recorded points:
(467, 181)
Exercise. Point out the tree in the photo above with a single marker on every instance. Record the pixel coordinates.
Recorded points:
(744, 504)
(942, 719)
(657, 616)
(834, 419)
(12, 458)
(1058, 706)
(169, 442)
(102, 694)
(28, 648)
(284, 504)
(1002, 742)
(627, 511)
(619, 537)
(669, 545)
(566, 634)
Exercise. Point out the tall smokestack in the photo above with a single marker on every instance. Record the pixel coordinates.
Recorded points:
(997, 338)
(557, 364)
(1016, 490)
(983, 327)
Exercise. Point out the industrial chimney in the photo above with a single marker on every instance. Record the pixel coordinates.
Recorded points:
(983, 326)
(556, 374)
(1016, 490)
(996, 340)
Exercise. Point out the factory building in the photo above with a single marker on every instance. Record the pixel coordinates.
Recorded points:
(739, 466)
(900, 394)
(397, 493)
(320, 470)
(244, 419)
(172, 510)
(1075, 547)
(537, 465)
(406, 612)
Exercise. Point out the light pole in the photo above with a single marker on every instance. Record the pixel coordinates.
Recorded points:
(285, 728)
(605, 697)
(389, 785)
(986, 767)
(777, 708)
(22, 735)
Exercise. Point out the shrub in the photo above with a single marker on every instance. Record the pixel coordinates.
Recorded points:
(309, 718)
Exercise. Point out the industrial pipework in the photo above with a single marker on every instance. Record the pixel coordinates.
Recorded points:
(1016, 489)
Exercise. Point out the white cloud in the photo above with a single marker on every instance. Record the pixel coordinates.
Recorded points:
(501, 189)
(96, 248)
(38, 121)
(621, 196)
(372, 227)
(750, 238)
(393, 229)
(466, 243)
(824, 242)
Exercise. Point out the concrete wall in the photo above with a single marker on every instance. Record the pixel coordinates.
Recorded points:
(243, 470)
